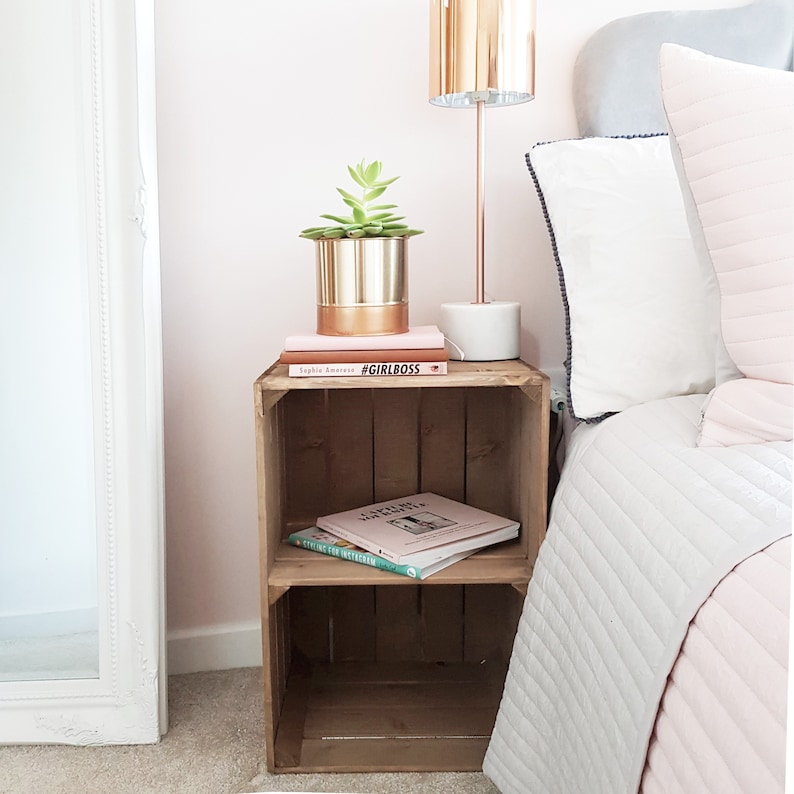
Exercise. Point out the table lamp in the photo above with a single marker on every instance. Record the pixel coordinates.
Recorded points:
(482, 53)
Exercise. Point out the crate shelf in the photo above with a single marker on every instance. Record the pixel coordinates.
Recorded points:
(368, 670)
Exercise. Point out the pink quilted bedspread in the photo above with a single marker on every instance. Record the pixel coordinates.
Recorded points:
(721, 726)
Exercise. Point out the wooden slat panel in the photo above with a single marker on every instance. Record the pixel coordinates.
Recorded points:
(396, 438)
(291, 726)
(491, 431)
(519, 491)
(305, 464)
(419, 719)
(269, 452)
(350, 441)
(442, 623)
(283, 647)
(397, 755)
(486, 636)
(353, 625)
(268, 467)
(447, 695)
(398, 634)
(387, 673)
(418, 700)
(534, 480)
(515, 604)
(459, 373)
(443, 442)
(310, 611)
(503, 563)
(271, 680)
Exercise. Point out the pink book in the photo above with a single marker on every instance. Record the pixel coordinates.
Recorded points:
(416, 338)
(400, 529)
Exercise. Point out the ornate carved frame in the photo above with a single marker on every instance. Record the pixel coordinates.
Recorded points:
(126, 703)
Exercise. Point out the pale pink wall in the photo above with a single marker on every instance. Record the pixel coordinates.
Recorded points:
(261, 105)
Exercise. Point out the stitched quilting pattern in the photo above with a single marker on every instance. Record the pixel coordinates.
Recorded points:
(733, 125)
(644, 525)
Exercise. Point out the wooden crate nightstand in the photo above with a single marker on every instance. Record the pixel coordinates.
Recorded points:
(367, 670)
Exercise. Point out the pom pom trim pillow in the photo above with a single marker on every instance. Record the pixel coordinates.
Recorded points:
(732, 126)
(641, 313)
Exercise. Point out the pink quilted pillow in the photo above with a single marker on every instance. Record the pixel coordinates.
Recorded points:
(732, 132)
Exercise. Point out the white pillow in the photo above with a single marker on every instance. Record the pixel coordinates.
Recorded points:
(642, 317)
(732, 125)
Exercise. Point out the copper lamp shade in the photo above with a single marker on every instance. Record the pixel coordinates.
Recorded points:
(482, 50)
(482, 53)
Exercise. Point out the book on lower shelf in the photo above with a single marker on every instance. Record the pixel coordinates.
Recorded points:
(424, 565)
(401, 530)
(416, 337)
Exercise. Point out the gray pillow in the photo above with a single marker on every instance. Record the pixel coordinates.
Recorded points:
(616, 75)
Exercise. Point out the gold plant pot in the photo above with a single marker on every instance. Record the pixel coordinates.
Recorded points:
(362, 286)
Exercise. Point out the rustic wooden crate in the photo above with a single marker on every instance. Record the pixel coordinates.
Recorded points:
(365, 669)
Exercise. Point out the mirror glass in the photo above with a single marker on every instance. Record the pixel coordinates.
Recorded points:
(48, 488)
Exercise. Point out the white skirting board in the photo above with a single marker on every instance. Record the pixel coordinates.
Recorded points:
(223, 647)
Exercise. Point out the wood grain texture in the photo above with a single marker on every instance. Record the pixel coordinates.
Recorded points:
(395, 428)
(392, 716)
(339, 636)
(351, 450)
(442, 436)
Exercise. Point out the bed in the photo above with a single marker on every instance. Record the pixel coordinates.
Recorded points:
(651, 654)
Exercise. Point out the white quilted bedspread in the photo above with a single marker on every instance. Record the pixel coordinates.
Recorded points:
(644, 526)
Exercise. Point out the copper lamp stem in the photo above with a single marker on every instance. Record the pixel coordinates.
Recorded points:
(480, 264)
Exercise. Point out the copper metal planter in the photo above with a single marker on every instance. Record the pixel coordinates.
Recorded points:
(362, 286)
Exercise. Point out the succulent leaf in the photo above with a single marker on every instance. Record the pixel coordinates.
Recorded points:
(312, 234)
(372, 172)
(371, 195)
(367, 219)
(338, 218)
(347, 195)
(356, 177)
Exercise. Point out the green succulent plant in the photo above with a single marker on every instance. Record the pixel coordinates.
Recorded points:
(367, 219)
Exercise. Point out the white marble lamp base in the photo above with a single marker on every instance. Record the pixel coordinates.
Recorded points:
(482, 331)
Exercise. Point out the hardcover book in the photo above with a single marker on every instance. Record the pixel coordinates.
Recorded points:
(362, 356)
(354, 370)
(316, 539)
(401, 529)
(421, 336)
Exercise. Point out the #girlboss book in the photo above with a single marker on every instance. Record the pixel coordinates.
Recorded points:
(402, 529)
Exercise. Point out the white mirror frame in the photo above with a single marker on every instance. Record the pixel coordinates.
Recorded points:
(126, 704)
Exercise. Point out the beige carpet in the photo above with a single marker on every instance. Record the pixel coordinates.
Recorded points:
(214, 746)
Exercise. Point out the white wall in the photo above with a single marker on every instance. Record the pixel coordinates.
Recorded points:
(261, 105)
